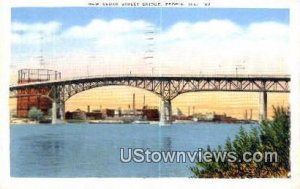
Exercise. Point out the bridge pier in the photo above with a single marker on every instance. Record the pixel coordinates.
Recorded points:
(62, 111)
(263, 102)
(165, 112)
(54, 112)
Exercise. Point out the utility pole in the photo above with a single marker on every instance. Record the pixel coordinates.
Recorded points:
(149, 52)
(41, 56)
(238, 67)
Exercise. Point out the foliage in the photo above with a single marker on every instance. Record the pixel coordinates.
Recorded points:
(273, 136)
(35, 114)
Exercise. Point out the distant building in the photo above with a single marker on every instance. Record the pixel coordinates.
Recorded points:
(177, 112)
(93, 115)
(212, 116)
(132, 113)
(151, 114)
(82, 115)
(224, 118)
(118, 113)
(178, 115)
(77, 114)
(108, 112)
(28, 98)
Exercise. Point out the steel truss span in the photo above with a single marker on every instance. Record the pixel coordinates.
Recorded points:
(167, 87)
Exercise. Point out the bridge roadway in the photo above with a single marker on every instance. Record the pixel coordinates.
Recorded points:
(167, 87)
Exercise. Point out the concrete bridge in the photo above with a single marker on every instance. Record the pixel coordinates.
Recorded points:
(167, 87)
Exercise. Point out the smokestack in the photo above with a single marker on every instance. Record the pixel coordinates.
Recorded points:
(144, 102)
(133, 103)
(88, 108)
(250, 118)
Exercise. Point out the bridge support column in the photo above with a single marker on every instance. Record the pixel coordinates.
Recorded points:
(54, 112)
(62, 111)
(165, 112)
(263, 100)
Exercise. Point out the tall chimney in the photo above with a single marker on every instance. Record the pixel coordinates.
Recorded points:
(246, 115)
(133, 103)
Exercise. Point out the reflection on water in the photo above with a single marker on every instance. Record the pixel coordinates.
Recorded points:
(94, 150)
(167, 144)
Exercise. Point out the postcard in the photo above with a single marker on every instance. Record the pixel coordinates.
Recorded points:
(155, 90)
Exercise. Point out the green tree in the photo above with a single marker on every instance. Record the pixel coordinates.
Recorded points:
(273, 136)
(35, 114)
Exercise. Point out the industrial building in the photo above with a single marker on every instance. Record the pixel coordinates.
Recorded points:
(28, 99)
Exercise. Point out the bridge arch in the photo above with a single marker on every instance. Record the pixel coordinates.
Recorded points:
(167, 87)
(209, 91)
(69, 94)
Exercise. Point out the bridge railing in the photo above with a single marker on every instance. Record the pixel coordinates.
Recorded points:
(158, 76)
(183, 75)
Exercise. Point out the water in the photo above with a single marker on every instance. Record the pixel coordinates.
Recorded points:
(83, 150)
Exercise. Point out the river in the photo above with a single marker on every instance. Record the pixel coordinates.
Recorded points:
(93, 150)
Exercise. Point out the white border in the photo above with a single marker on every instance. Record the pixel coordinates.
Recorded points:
(214, 3)
(294, 61)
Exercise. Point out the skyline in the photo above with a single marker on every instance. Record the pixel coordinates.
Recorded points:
(232, 103)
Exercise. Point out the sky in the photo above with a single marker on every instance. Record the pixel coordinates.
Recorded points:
(209, 40)
(82, 16)
(100, 41)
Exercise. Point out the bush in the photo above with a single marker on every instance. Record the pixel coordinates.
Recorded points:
(35, 114)
(273, 136)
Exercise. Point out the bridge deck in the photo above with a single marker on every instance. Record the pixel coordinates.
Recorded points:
(164, 77)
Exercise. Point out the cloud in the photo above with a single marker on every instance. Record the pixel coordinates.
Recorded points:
(31, 33)
(47, 28)
(192, 31)
(114, 33)
(97, 27)
(220, 45)
(205, 46)
(269, 30)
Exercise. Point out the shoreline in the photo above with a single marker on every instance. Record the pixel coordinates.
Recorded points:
(121, 122)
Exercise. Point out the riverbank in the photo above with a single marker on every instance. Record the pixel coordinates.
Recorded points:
(24, 121)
